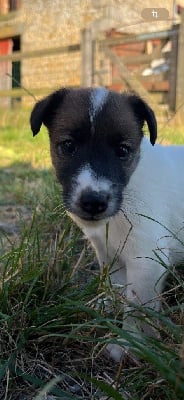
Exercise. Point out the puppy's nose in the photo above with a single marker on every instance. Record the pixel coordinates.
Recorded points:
(94, 202)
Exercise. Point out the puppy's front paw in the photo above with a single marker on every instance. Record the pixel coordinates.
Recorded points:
(116, 352)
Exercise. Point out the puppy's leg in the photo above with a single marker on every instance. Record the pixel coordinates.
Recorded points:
(144, 285)
(118, 281)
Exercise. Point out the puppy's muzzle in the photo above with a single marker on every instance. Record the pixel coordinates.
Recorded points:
(93, 203)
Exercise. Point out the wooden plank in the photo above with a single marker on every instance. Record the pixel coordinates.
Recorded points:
(18, 55)
(9, 31)
(139, 59)
(87, 57)
(160, 86)
(173, 73)
(180, 74)
(139, 38)
(129, 78)
(13, 93)
(9, 16)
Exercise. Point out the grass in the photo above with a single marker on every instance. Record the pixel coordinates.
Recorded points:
(52, 329)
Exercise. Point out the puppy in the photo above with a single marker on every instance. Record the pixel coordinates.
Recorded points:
(111, 173)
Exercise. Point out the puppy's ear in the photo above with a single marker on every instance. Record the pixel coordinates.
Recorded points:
(144, 113)
(43, 110)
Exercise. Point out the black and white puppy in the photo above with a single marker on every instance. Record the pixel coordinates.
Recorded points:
(111, 173)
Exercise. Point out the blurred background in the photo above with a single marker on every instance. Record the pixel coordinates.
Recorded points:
(113, 43)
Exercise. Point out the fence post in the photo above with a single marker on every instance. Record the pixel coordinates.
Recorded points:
(87, 57)
(173, 70)
(180, 73)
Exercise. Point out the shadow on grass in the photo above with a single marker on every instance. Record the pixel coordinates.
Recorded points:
(21, 183)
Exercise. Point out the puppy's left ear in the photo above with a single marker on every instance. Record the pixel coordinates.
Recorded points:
(44, 110)
(144, 113)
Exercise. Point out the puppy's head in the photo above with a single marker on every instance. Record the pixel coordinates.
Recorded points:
(95, 137)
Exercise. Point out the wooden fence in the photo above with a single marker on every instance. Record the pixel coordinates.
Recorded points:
(150, 64)
(146, 64)
(128, 56)
(19, 56)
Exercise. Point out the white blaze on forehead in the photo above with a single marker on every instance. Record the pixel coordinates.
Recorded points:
(97, 100)
(87, 179)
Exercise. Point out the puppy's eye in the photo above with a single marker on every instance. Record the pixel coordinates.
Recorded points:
(67, 147)
(122, 151)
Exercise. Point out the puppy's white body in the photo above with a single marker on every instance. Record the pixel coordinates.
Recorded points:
(155, 191)
(149, 220)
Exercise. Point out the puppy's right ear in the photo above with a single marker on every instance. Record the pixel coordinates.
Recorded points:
(43, 110)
